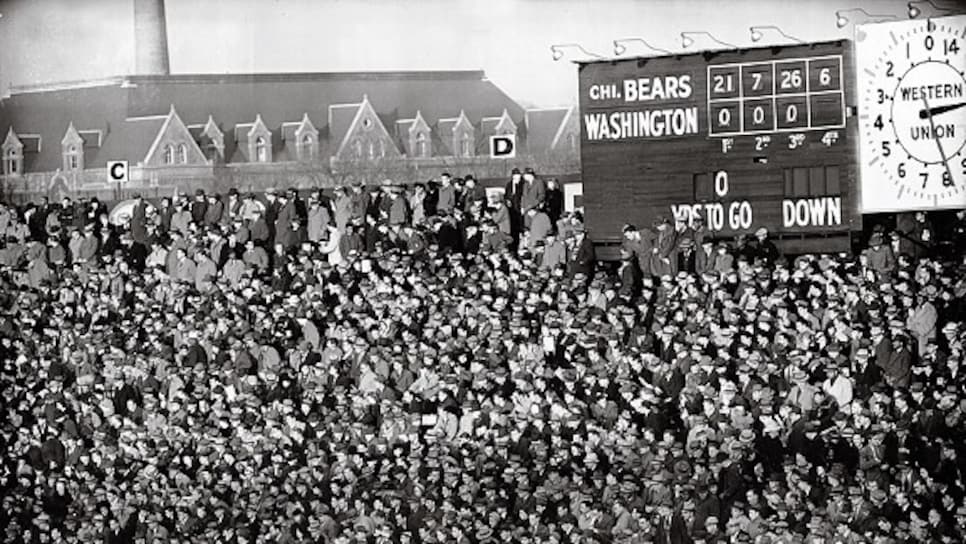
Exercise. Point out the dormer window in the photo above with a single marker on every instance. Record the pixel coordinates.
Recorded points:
(168, 154)
(72, 148)
(372, 150)
(12, 154)
(213, 141)
(422, 147)
(466, 146)
(182, 154)
(12, 162)
(73, 162)
(261, 149)
(307, 147)
(357, 147)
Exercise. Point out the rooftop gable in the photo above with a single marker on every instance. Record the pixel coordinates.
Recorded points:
(544, 127)
(71, 136)
(12, 141)
(173, 132)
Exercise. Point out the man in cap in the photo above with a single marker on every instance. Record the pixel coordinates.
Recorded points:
(880, 257)
(765, 249)
(641, 245)
(664, 258)
(582, 254)
(532, 194)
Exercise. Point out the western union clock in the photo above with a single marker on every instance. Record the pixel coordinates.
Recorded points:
(912, 112)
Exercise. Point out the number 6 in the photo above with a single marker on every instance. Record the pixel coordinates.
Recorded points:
(824, 77)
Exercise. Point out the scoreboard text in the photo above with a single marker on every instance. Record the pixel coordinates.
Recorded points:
(741, 139)
(778, 96)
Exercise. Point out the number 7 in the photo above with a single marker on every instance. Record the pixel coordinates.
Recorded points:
(757, 83)
(925, 178)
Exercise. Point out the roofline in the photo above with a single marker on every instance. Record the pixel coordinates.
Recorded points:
(714, 52)
(283, 77)
(65, 85)
(561, 108)
(276, 77)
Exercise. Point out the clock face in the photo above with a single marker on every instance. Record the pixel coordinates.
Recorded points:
(913, 114)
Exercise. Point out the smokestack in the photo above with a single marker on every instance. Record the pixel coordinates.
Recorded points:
(150, 38)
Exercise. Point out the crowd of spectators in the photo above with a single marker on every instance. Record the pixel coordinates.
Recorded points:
(431, 364)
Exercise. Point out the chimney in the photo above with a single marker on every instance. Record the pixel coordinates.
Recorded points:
(150, 38)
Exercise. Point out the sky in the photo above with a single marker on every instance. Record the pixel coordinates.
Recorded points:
(64, 40)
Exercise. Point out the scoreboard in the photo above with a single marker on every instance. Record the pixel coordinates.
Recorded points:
(786, 96)
(741, 139)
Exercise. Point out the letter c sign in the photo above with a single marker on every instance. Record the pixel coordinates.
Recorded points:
(117, 171)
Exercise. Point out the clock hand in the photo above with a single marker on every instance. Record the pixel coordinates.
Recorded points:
(942, 154)
(924, 113)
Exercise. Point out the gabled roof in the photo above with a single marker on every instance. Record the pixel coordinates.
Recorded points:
(95, 107)
(570, 124)
(406, 128)
(543, 127)
(493, 125)
(128, 111)
(445, 128)
(364, 113)
(211, 129)
(173, 125)
(340, 119)
(233, 98)
(71, 136)
(292, 128)
(255, 129)
(12, 141)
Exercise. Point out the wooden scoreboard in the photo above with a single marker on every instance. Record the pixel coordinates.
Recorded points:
(740, 138)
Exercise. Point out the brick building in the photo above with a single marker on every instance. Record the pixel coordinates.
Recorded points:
(256, 130)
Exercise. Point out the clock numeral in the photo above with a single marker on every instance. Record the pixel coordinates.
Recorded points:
(930, 26)
(886, 150)
(925, 178)
(890, 69)
(950, 46)
(881, 94)
(902, 170)
(929, 42)
(947, 179)
(908, 50)
(963, 164)
(878, 122)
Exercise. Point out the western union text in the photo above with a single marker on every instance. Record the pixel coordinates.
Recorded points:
(620, 125)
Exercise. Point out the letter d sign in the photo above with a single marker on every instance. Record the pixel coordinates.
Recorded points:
(503, 147)
(117, 171)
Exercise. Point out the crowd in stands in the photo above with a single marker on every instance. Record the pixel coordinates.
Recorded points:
(430, 364)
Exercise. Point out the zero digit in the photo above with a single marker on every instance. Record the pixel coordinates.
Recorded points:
(758, 115)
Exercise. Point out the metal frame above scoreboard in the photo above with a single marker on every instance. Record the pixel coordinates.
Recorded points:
(724, 94)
